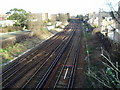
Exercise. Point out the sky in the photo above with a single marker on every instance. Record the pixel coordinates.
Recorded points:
(57, 6)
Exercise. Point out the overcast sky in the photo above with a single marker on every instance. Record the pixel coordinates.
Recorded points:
(57, 6)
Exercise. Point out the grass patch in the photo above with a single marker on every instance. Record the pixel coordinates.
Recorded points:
(11, 52)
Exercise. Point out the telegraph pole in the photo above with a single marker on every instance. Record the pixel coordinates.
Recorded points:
(99, 20)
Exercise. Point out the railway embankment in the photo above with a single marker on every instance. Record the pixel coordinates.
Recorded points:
(16, 43)
(102, 57)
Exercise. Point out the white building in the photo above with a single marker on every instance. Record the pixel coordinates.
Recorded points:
(46, 16)
(7, 23)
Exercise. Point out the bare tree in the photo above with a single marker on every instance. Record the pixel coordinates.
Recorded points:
(63, 17)
(35, 23)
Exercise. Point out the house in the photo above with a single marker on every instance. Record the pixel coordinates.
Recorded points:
(117, 30)
(44, 16)
(3, 17)
(93, 19)
(7, 23)
(104, 21)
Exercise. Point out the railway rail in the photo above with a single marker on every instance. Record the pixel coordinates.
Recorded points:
(55, 59)
(65, 71)
(28, 65)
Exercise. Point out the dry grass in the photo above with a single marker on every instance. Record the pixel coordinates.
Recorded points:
(14, 50)
(9, 29)
(42, 34)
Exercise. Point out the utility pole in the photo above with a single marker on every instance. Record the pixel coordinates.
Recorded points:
(99, 20)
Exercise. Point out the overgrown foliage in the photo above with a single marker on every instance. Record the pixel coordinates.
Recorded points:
(20, 17)
(102, 73)
(13, 51)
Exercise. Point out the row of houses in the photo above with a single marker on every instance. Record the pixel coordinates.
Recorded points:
(37, 16)
(4, 22)
(45, 16)
(108, 23)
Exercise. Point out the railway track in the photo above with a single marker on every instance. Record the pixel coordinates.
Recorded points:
(29, 64)
(48, 71)
(65, 71)
(55, 58)
(21, 60)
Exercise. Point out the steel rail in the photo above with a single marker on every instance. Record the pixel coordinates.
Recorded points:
(72, 77)
(31, 54)
(71, 80)
(46, 75)
(58, 65)
(23, 72)
(27, 69)
(8, 71)
(41, 67)
(63, 66)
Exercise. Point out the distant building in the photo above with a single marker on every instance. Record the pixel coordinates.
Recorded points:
(3, 17)
(106, 23)
(53, 17)
(102, 20)
(4, 22)
(35, 17)
(7, 23)
(93, 19)
(117, 31)
(44, 16)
